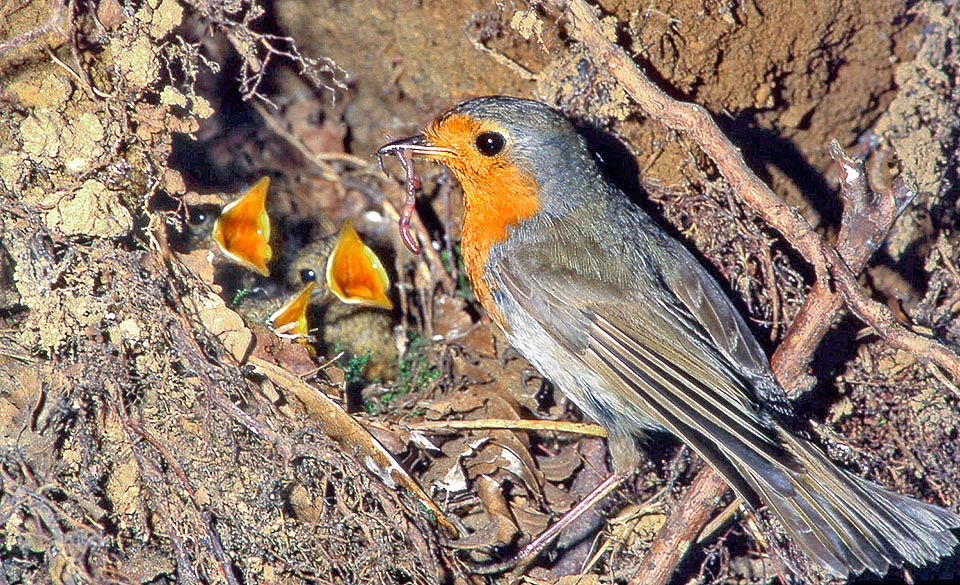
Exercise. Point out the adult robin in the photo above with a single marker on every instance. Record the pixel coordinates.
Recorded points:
(626, 323)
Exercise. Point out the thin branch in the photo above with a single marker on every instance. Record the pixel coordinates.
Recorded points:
(585, 429)
(696, 122)
(694, 510)
(867, 217)
(685, 521)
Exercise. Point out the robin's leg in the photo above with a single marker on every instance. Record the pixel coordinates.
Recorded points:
(529, 553)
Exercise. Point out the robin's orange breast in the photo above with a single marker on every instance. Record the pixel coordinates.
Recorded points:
(496, 196)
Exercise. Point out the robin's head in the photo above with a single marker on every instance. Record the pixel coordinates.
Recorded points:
(511, 155)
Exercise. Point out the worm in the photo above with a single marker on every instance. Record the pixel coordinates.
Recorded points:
(413, 184)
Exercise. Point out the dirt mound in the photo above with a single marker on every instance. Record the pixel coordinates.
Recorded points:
(154, 429)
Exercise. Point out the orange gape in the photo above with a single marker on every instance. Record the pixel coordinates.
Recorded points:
(623, 320)
(291, 318)
(243, 229)
(355, 273)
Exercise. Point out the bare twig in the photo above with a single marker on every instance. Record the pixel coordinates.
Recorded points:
(155, 478)
(867, 218)
(585, 429)
(319, 159)
(83, 80)
(685, 521)
(696, 122)
(223, 561)
(352, 436)
(259, 49)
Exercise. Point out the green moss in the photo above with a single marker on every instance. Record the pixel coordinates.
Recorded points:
(354, 368)
(238, 296)
(416, 371)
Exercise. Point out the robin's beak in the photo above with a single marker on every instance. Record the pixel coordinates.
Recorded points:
(418, 144)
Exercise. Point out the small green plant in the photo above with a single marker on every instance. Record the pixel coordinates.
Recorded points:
(238, 296)
(415, 371)
(354, 368)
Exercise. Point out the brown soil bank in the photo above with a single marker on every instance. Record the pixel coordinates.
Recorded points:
(153, 430)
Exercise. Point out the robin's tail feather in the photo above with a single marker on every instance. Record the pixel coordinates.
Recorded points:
(848, 524)
(844, 523)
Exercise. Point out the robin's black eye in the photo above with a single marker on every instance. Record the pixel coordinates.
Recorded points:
(308, 275)
(490, 143)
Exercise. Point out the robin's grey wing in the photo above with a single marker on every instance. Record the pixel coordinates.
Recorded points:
(650, 346)
(701, 307)
(643, 339)
(663, 295)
